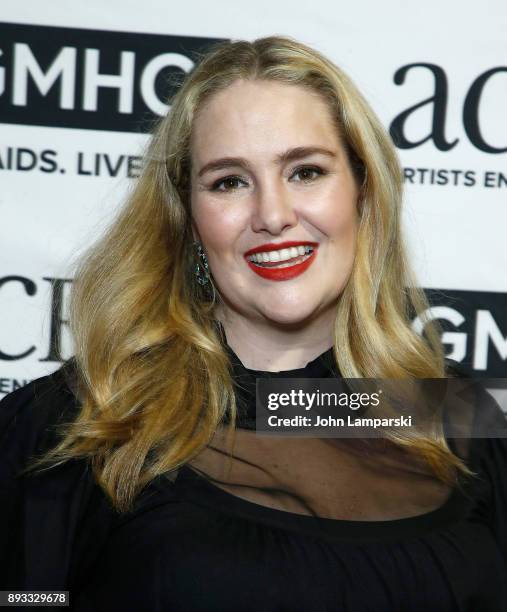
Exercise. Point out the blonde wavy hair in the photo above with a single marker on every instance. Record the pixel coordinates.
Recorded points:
(154, 378)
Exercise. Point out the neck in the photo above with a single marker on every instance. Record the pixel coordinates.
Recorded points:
(272, 347)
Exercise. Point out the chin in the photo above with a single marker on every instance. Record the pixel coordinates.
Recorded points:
(293, 315)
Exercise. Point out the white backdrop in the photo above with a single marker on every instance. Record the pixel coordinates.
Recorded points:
(455, 217)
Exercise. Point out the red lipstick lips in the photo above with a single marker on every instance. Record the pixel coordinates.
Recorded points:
(288, 272)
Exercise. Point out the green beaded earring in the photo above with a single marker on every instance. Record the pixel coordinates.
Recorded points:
(201, 267)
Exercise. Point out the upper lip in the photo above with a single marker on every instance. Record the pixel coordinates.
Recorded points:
(271, 246)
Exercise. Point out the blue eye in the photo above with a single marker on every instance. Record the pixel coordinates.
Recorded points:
(229, 182)
(307, 173)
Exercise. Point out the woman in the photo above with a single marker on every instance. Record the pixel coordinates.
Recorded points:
(262, 241)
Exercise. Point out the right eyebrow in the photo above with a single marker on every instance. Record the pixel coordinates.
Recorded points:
(223, 163)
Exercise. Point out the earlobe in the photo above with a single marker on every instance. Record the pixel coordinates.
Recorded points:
(359, 202)
(195, 233)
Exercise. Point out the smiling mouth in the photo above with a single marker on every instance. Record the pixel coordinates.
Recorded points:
(284, 264)
(283, 258)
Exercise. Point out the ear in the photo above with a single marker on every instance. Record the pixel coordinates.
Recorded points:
(195, 232)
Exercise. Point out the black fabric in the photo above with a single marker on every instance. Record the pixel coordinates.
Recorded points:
(323, 366)
(190, 545)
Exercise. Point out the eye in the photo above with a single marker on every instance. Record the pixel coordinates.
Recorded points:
(307, 174)
(228, 183)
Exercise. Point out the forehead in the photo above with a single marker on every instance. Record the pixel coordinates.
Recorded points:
(250, 117)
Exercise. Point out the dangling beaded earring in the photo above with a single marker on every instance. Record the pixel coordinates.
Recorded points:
(201, 267)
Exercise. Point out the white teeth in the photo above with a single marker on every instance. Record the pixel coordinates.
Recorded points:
(288, 265)
(285, 254)
(281, 255)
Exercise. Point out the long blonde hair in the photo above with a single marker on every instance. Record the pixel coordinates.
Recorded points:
(154, 379)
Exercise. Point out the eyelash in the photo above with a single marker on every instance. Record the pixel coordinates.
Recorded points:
(319, 171)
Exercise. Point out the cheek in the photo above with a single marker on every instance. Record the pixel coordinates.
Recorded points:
(218, 225)
(345, 227)
(336, 216)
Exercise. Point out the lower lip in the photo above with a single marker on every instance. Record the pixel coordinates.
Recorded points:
(283, 274)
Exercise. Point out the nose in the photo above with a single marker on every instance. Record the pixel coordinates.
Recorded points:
(273, 209)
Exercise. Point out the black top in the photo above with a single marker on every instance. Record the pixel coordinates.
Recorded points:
(191, 546)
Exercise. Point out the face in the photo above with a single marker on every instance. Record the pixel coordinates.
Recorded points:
(274, 201)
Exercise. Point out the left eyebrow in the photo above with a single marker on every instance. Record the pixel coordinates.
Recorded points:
(300, 152)
(282, 158)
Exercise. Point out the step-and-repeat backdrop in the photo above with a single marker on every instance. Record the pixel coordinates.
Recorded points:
(80, 83)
